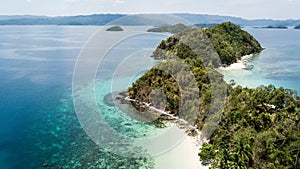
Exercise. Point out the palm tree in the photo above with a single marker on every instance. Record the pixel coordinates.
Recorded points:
(224, 159)
(244, 154)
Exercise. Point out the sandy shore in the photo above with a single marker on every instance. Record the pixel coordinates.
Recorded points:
(239, 65)
(183, 155)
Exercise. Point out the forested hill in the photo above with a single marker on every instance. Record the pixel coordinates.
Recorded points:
(229, 40)
(197, 51)
(247, 128)
(172, 29)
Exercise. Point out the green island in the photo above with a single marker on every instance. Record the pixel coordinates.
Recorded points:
(273, 27)
(297, 27)
(229, 41)
(245, 127)
(205, 25)
(171, 29)
(115, 28)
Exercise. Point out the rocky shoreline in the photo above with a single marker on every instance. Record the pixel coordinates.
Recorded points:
(191, 130)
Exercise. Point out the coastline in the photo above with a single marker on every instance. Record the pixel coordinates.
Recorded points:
(183, 155)
(241, 64)
(187, 150)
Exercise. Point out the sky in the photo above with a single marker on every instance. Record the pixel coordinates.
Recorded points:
(250, 9)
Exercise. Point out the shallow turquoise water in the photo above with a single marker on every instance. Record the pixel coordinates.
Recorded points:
(38, 123)
(278, 64)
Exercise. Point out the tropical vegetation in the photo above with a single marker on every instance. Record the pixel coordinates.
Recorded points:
(246, 128)
(232, 42)
(229, 41)
(259, 128)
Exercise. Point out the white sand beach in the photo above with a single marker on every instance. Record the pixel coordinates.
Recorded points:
(184, 155)
(239, 65)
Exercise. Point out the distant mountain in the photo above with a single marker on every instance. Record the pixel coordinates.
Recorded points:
(214, 19)
(140, 19)
(208, 19)
(96, 19)
(151, 20)
(11, 17)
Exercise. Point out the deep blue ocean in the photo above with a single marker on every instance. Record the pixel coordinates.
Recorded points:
(38, 125)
